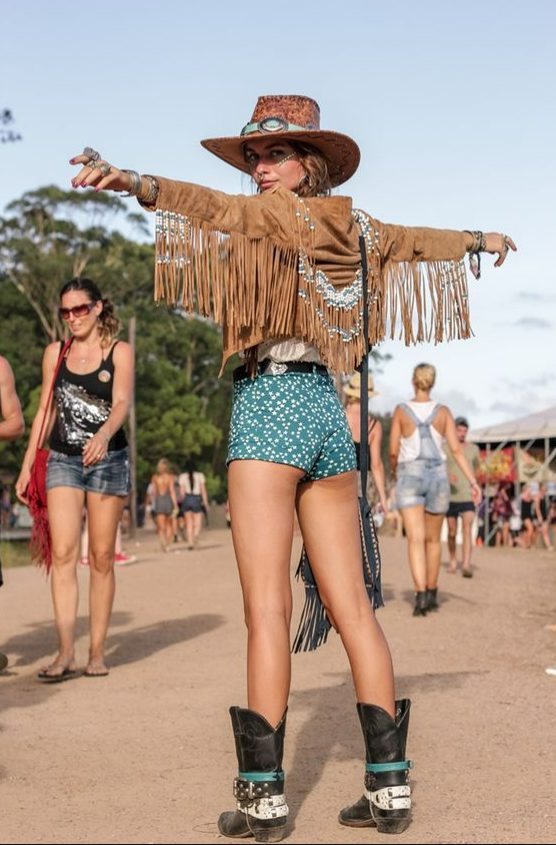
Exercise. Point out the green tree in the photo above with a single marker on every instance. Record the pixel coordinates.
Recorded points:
(52, 235)
(49, 236)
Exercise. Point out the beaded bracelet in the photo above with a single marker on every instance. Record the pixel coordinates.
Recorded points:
(154, 188)
(479, 240)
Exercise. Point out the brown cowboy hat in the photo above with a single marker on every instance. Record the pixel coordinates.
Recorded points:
(353, 387)
(291, 117)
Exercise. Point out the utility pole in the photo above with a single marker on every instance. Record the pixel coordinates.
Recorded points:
(133, 439)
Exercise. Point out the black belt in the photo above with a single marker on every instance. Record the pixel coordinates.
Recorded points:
(275, 368)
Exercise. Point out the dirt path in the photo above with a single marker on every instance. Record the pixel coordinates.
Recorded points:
(146, 755)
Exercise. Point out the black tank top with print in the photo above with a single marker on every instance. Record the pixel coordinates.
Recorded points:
(83, 404)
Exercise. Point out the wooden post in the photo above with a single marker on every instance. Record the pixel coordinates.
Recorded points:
(133, 439)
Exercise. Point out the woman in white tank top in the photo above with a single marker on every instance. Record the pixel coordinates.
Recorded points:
(418, 460)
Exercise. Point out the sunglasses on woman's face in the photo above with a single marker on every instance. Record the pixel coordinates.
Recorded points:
(77, 310)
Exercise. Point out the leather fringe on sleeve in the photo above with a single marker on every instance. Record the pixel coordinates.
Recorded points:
(265, 287)
(419, 301)
(246, 282)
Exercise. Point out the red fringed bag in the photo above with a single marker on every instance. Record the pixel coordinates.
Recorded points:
(39, 544)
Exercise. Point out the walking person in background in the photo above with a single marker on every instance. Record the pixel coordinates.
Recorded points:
(461, 500)
(282, 272)
(194, 502)
(12, 426)
(164, 502)
(88, 465)
(528, 532)
(419, 428)
(541, 516)
(352, 392)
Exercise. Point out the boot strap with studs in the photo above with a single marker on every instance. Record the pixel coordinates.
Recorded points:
(261, 794)
(390, 798)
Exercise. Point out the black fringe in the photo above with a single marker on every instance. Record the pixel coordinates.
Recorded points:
(314, 625)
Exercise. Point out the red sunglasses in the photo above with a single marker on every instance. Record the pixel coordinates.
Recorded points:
(77, 310)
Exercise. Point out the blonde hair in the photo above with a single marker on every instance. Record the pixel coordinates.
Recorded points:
(163, 466)
(424, 376)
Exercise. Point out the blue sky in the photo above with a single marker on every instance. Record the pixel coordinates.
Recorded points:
(451, 104)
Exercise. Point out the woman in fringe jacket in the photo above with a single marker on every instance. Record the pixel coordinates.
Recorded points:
(281, 273)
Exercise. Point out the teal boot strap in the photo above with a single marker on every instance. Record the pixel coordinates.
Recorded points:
(259, 777)
(396, 766)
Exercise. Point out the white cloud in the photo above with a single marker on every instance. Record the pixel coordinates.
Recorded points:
(532, 323)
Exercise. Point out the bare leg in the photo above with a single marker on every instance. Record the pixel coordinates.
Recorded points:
(414, 524)
(546, 536)
(433, 527)
(160, 521)
(262, 501)
(322, 507)
(189, 528)
(169, 529)
(197, 526)
(104, 514)
(452, 534)
(468, 518)
(65, 512)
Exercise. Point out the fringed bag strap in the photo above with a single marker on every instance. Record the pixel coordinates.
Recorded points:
(364, 371)
(64, 348)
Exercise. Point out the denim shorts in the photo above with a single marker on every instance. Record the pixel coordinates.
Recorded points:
(295, 419)
(423, 482)
(110, 476)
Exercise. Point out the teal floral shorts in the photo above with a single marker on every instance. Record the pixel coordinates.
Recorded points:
(295, 419)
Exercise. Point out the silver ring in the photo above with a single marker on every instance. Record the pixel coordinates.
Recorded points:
(104, 167)
(92, 154)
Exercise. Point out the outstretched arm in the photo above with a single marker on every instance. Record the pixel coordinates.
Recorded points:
(226, 212)
(408, 243)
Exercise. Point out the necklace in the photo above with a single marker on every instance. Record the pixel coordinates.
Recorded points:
(84, 358)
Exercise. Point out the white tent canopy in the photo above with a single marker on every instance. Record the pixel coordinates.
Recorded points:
(533, 427)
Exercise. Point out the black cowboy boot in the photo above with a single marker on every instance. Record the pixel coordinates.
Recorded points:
(386, 804)
(421, 604)
(262, 811)
(432, 599)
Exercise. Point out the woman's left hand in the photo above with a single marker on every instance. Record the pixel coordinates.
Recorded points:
(499, 244)
(96, 449)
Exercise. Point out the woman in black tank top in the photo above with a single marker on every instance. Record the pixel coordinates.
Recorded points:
(88, 465)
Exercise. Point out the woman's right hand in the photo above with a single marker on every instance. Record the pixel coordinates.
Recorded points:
(21, 485)
(476, 493)
(91, 175)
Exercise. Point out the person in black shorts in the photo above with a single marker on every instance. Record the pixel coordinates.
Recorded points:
(461, 503)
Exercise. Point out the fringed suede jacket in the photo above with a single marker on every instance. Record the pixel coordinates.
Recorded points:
(276, 266)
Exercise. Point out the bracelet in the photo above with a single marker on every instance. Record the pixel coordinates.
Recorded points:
(152, 194)
(135, 183)
(478, 246)
(479, 240)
